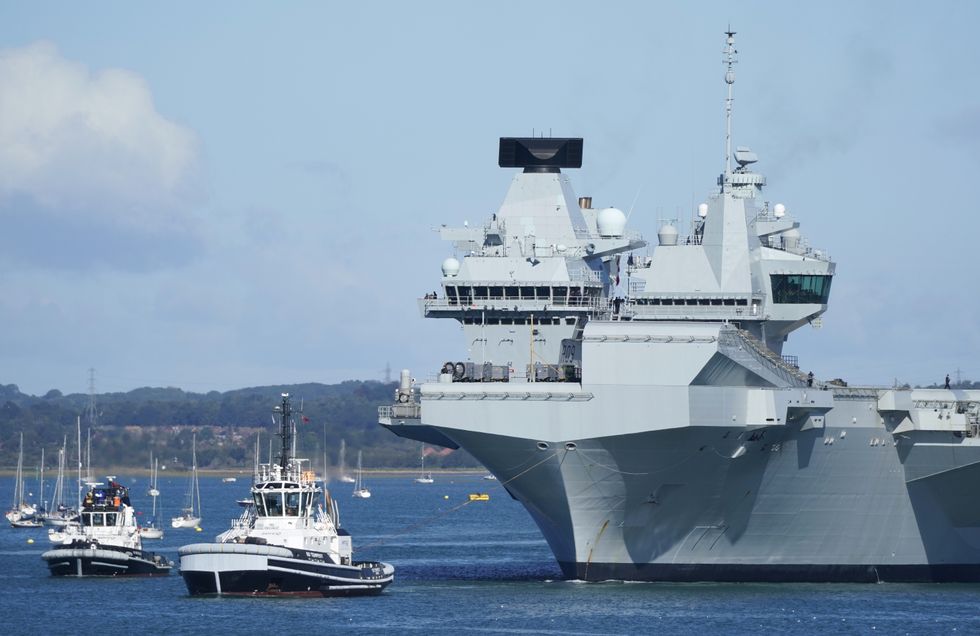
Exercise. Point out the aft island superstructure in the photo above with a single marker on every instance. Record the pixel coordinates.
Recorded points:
(641, 409)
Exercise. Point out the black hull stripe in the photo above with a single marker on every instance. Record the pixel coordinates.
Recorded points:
(277, 583)
(743, 573)
(91, 567)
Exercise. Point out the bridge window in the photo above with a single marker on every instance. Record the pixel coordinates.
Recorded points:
(273, 504)
(800, 288)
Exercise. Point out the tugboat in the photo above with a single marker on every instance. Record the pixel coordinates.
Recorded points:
(107, 543)
(288, 544)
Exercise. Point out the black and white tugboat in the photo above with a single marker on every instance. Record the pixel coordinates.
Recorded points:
(288, 544)
(107, 542)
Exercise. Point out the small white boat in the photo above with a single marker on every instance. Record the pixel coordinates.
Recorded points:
(360, 490)
(149, 532)
(190, 515)
(229, 480)
(490, 477)
(153, 529)
(424, 477)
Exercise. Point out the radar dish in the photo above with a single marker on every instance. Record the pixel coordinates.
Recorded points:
(744, 156)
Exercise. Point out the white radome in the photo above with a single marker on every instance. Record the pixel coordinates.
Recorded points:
(703, 210)
(779, 210)
(611, 222)
(450, 267)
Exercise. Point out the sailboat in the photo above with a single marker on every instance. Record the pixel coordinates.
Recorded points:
(424, 477)
(60, 513)
(21, 513)
(190, 516)
(153, 530)
(342, 465)
(360, 490)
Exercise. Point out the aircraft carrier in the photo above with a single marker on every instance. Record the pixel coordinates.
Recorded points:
(642, 411)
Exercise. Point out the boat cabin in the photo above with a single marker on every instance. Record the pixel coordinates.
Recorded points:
(282, 499)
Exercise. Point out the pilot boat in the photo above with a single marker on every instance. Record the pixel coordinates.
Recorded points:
(107, 542)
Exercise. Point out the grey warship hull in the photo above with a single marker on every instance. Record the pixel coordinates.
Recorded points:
(788, 484)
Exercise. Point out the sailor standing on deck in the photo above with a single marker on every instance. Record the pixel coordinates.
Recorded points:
(947, 381)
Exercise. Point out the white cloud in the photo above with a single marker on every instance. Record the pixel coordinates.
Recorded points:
(81, 143)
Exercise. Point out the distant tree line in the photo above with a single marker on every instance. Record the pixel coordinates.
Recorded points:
(130, 426)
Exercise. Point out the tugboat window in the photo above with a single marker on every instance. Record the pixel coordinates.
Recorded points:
(110, 518)
(292, 504)
(260, 505)
(273, 503)
(800, 289)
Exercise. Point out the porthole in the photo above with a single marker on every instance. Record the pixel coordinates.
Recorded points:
(542, 445)
(570, 446)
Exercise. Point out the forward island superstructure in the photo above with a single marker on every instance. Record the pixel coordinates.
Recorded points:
(641, 409)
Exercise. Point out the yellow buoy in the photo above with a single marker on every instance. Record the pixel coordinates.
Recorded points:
(30, 540)
(197, 528)
(445, 496)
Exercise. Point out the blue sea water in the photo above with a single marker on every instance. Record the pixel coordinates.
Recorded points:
(481, 567)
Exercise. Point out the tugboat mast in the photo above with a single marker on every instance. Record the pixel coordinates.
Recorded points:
(285, 429)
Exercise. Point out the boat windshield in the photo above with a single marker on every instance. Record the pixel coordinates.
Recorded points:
(99, 519)
(276, 504)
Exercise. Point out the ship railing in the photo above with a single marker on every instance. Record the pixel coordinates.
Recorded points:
(409, 410)
(478, 302)
(734, 336)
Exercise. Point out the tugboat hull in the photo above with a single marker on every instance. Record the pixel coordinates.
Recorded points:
(104, 561)
(262, 570)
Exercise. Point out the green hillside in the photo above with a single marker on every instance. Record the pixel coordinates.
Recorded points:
(129, 426)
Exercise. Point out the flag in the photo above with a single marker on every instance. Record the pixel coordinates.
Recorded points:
(305, 419)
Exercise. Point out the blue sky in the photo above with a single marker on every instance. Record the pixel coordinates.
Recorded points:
(237, 194)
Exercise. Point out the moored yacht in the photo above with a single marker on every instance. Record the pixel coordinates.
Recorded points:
(190, 514)
(289, 543)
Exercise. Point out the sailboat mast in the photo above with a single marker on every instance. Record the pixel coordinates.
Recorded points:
(197, 484)
(78, 490)
(41, 495)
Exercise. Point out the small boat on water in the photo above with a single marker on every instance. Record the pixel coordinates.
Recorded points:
(107, 542)
(490, 477)
(360, 490)
(190, 515)
(479, 496)
(424, 477)
(153, 530)
(229, 480)
(289, 543)
(61, 514)
(244, 503)
(21, 513)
